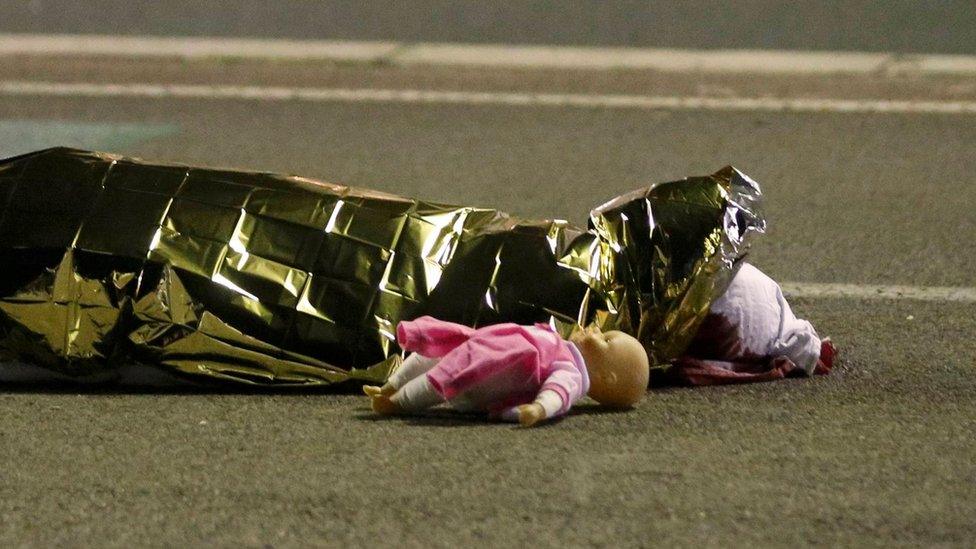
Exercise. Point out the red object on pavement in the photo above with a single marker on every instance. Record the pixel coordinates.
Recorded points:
(691, 371)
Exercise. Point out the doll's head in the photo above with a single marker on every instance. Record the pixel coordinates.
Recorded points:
(617, 365)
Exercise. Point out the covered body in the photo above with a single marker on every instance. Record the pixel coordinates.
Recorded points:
(272, 279)
(749, 335)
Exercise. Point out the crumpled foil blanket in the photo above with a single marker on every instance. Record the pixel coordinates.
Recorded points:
(281, 280)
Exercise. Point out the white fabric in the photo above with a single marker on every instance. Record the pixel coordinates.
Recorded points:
(754, 305)
(551, 402)
(413, 366)
(417, 395)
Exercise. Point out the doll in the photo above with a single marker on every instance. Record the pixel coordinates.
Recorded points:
(749, 335)
(523, 374)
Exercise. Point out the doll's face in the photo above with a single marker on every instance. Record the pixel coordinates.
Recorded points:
(617, 365)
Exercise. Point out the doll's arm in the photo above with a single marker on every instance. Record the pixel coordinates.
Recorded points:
(798, 342)
(431, 337)
(559, 391)
(567, 382)
(546, 405)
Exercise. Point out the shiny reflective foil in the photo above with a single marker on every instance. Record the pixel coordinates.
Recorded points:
(280, 280)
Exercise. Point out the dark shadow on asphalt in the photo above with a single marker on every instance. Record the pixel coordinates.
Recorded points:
(57, 387)
(446, 417)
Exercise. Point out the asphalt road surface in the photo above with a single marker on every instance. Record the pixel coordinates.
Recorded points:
(879, 453)
(902, 26)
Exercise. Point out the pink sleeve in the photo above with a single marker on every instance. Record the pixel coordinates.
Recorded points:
(567, 382)
(431, 337)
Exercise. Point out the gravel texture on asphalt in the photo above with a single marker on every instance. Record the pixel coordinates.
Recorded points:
(877, 454)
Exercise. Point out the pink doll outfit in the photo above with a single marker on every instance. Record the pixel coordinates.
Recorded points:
(493, 369)
(751, 334)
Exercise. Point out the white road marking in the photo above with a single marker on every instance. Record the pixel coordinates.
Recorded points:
(191, 48)
(368, 95)
(497, 55)
(671, 60)
(867, 291)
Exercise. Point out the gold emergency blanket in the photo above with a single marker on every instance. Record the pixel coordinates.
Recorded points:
(281, 280)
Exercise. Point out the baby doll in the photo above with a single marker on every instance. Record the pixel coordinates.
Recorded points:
(751, 334)
(513, 372)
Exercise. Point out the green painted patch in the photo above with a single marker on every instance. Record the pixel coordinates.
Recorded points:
(22, 136)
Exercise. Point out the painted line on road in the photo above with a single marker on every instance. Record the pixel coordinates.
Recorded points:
(192, 48)
(867, 291)
(493, 55)
(368, 95)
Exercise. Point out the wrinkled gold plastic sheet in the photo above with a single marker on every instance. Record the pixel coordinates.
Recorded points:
(281, 280)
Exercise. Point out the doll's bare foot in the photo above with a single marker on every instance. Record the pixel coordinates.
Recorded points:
(530, 414)
(375, 390)
(382, 405)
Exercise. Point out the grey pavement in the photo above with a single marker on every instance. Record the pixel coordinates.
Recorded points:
(876, 454)
(901, 26)
(852, 198)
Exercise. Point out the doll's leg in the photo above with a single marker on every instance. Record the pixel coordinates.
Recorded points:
(412, 367)
(416, 395)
